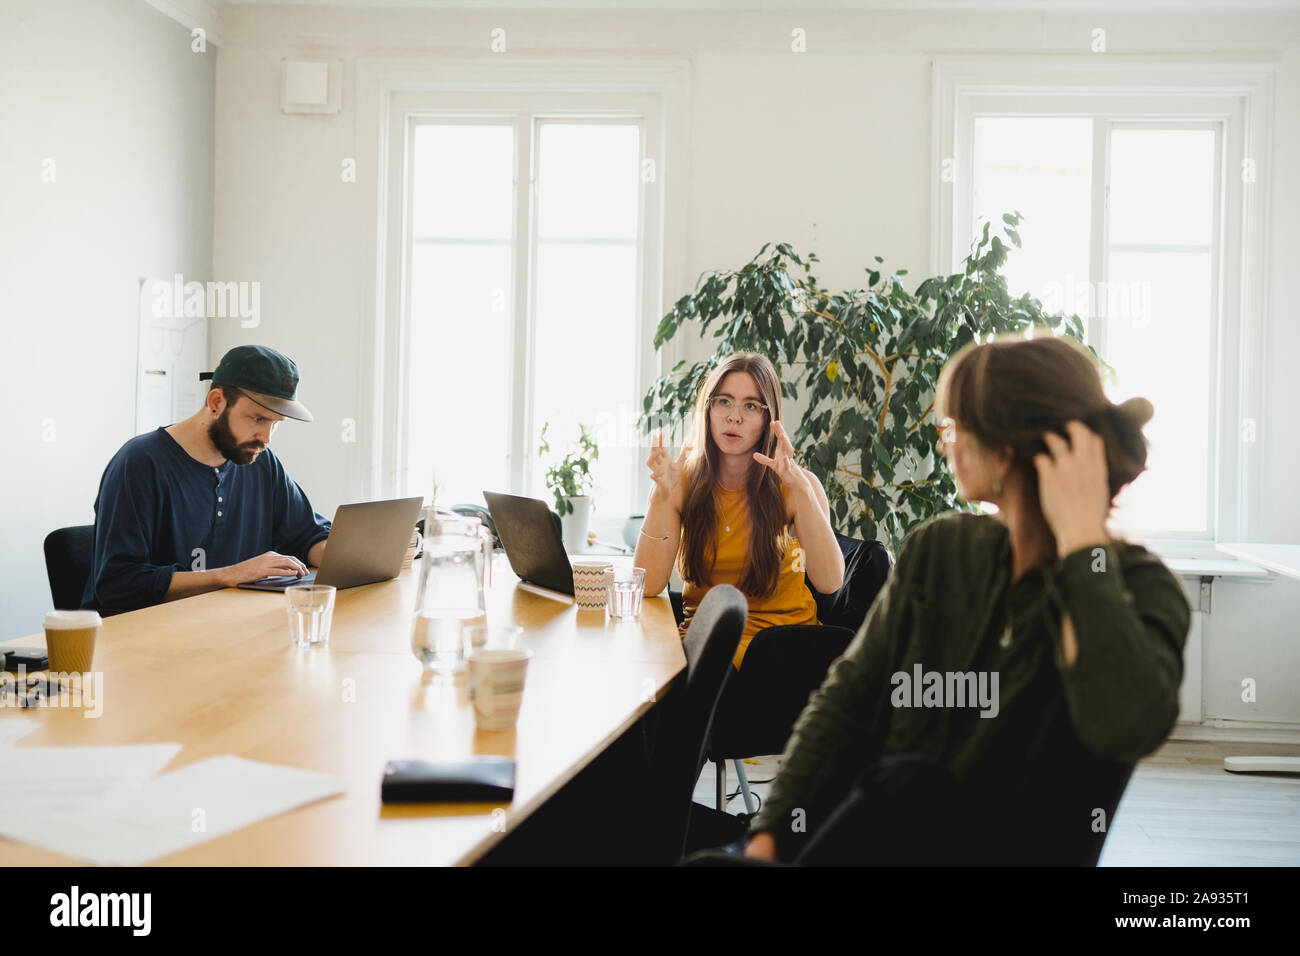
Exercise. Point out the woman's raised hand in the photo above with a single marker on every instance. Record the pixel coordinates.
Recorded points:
(665, 471)
(1072, 487)
(783, 464)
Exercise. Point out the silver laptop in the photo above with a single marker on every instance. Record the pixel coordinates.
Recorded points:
(368, 541)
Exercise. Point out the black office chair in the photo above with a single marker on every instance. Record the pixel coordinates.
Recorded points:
(672, 822)
(478, 511)
(475, 511)
(784, 665)
(67, 564)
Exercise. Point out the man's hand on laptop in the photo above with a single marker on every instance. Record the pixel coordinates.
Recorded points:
(269, 565)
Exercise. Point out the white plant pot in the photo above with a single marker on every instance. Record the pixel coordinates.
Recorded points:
(573, 526)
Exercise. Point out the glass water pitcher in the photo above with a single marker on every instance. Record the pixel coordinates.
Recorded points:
(454, 573)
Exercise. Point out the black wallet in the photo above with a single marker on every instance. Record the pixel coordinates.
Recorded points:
(417, 781)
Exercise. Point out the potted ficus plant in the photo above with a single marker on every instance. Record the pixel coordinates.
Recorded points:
(570, 480)
(865, 360)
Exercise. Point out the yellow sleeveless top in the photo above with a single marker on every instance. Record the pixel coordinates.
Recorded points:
(790, 603)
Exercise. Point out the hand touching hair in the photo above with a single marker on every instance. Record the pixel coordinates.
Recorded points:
(1009, 392)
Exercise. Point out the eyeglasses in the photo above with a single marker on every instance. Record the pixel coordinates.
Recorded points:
(747, 409)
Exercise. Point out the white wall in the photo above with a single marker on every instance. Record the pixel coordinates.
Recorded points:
(110, 90)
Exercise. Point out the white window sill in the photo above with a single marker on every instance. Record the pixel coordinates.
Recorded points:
(1200, 559)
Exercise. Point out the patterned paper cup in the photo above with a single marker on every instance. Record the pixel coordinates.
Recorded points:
(591, 581)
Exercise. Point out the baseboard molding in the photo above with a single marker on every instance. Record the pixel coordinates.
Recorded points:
(1238, 731)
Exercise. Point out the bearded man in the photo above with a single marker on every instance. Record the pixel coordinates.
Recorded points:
(203, 504)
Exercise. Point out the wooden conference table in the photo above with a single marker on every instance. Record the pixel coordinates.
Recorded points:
(216, 674)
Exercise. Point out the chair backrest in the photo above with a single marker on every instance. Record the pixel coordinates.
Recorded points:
(783, 666)
(67, 564)
(685, 715)
(866, 567)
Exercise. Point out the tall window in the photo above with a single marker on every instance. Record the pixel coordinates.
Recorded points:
(524, 288)
(1121, 225)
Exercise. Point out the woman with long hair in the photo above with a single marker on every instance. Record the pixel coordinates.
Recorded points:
(1016, 664)
(739, 510)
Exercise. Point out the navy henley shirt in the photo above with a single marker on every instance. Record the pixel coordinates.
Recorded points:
(160, 511)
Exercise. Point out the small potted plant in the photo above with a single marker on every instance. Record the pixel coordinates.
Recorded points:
(571, 481)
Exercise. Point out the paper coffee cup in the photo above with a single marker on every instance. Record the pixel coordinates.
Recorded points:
(591, 581)
(496, 685)
(70, 640)
(412, 546)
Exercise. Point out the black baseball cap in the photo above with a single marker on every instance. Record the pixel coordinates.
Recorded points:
(265, 376)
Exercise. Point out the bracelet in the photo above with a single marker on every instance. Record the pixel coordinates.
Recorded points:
(654, 537)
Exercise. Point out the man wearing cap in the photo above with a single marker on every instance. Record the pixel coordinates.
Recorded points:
(203, 504)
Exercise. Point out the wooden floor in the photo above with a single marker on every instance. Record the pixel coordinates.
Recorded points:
(1181, 808)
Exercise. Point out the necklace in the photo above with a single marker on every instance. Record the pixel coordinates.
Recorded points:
(729, 519)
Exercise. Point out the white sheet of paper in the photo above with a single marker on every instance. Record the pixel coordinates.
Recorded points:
(144, 820)
(43, 779)
(11, 728)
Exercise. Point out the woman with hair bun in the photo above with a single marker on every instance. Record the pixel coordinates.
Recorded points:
(1016, 665)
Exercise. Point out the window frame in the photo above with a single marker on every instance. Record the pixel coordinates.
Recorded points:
(1236, 96)
(526, 114)
(393, 90)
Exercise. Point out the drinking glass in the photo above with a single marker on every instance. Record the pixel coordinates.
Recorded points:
(625, 596)
(311, 609)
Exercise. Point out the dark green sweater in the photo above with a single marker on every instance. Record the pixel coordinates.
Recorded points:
(945, 610)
